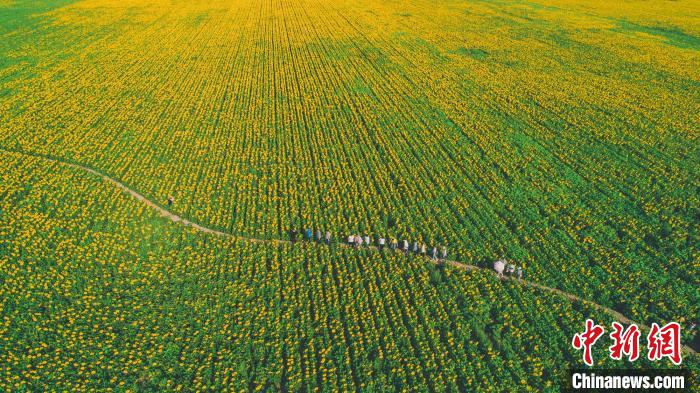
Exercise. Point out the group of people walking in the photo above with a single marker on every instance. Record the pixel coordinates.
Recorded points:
(501, 266)
(417, 248)
(309, 235)
(358, 241)
(512, 270)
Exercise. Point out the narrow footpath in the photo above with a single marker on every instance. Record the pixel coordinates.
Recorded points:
(175, 218)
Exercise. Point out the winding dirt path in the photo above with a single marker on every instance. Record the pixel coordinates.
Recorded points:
(175, 218)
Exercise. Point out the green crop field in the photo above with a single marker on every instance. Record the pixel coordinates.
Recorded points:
(561, 135)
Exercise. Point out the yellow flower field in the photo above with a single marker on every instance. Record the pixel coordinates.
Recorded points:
(560, 134)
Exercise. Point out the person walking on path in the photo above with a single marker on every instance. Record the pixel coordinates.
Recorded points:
(415, 247)
(318, 236)
(394, 243)
(520, 272)
(498, 266)
(358, 241)
(367, 241)
(433, 253)
(328, 238)
(351, 240)
(444, 252)
(381, 243)
(293, 235)
(405, 246)
(422, 248)
(309, 234)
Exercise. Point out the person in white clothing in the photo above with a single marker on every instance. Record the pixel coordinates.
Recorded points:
(367, 240)
(351, 239)
(499, 266)
(381, 243)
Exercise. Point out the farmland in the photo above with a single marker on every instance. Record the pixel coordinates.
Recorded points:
(562, 136)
